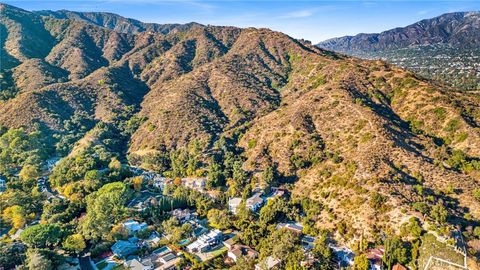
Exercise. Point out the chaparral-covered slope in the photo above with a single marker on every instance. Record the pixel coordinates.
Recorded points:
(367, 139)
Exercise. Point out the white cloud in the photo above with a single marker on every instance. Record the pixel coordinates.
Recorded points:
(297, 14)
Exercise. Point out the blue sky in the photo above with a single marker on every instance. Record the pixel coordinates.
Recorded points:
(313, 20)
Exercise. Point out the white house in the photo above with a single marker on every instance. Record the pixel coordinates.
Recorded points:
(137, 264)
(233, 204)
(294, 227)
(133, 226)
(255, 202)
(206, 242)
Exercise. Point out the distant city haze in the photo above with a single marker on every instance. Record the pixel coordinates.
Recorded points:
(310, 20)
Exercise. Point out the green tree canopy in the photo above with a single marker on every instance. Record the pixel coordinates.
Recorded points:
(74, 243)
(41, 235)
(105, 207)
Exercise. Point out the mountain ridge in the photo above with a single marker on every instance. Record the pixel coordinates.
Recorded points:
(337, 128)
(446, 28)
(443, 48)
(116, 22)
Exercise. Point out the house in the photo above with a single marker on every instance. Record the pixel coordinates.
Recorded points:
(183, 215)
(233, 204)
(164, 259)
(137, 264)
(206, 242)
(343, 256)
(237, 251)
(294, 227)
(123, 248)
(230, 242)
(277, 193)
(308, 242)
(198, 227)
(133, 226)
(254, 202)
(3, 184)
(169, 261)
(160, 182)
(153, 239)
(375, 256)
(399, 267)
(269, 263)
(195, 183)
(143, 200)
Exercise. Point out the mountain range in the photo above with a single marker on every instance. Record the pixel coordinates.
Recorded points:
(443, 48)
(338, 128)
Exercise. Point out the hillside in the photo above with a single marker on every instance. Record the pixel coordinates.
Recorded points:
(368, 140)
(443, 48)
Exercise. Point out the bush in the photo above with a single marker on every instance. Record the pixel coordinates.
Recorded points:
(476, 194)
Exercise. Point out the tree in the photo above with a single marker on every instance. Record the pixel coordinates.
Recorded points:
(92, 181)
(41, 235)
(439, 213)
(15, 215)
(395, 252)
(377, 200)
(29, 172)
(215, 176)
(115, 164)
(273, 211)
(476, 194)
(137, 183)
(177, 181)
(361, 262)
(219, 218)
(421, 207)
(176, 232)
(412, 228)
(11, 254)
(323, 253)
(203, 204)
(143, 234)
(243, 264)
(119, 232)
(74, 243)
(37, 260)
(280, 244)
(105, 207)
(268, 176)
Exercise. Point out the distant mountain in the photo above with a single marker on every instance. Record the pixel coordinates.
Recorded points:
(116, 22)
(444, 48)
(346, 132)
